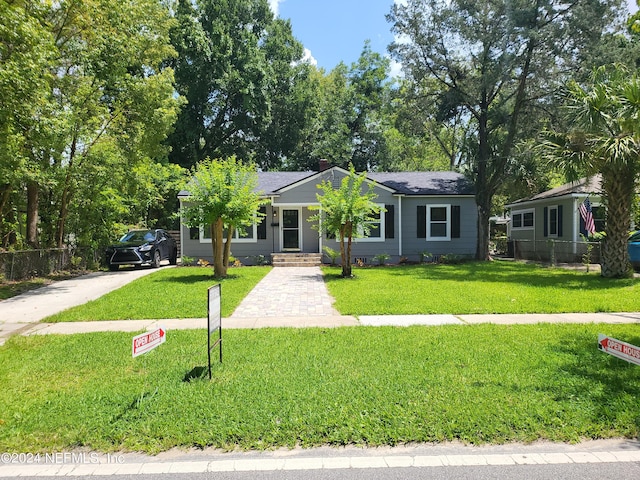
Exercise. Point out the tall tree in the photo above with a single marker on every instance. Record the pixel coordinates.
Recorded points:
(604, 139)
(495, 63)
(346, 211)
(26, 50)
(239, 70)
(111, 94)
(223, 197)
(346, 125)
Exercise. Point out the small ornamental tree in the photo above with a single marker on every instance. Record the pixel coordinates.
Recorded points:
(223, 199)
(346, 212)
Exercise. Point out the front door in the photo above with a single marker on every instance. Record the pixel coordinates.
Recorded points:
(290, 229)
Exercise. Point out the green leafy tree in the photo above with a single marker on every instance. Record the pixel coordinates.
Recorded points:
(222, 198)
(495, 65)
(348, 128)
(240, 71)
(605, 139)
(346, 212)
(26, 50)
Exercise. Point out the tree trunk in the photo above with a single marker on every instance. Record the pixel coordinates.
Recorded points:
(227, 248)
(346, 262)
(619, 193)
(483, 193)
(219, 267)
(482, 250)
(32, 214)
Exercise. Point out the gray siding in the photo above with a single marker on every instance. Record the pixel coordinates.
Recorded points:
(245, 252)
(414, 246)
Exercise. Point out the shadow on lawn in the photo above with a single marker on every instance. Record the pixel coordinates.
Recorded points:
(198, 278)
(504, 272)
(196, 373)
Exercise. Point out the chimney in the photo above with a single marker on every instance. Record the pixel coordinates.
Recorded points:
(324, 165)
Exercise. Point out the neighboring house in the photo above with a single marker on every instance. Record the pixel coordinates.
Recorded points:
(549, 224)
(431, 212)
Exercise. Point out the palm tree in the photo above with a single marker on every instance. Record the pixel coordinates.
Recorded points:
(604, 138)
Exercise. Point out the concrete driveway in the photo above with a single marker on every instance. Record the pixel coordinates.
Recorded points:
(20, 312)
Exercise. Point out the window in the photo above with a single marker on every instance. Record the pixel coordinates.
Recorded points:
(599, 217)
(376, 228)
(553, 222)
(522, 219)
(438, 222)
(240, 235)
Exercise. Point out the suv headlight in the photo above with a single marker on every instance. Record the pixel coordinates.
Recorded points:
(146, 247)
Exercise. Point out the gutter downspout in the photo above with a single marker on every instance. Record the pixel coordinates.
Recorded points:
(181, 233)
(573, 227)
(400, 226)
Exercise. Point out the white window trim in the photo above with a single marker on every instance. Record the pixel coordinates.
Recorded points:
(549, 234)
(382, 236)
(522, 212)
(236, 237)
(448, 224)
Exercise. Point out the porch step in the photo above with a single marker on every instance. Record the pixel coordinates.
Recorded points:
(296, 259)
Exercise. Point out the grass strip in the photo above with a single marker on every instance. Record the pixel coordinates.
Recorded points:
(308, 387)
(478, 287)
(168, 293)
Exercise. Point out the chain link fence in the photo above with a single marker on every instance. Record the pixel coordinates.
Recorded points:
(554, 251)
(18, 265)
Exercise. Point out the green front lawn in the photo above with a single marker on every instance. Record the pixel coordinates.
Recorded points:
(478, 287)
(307, 387)
(168, 293)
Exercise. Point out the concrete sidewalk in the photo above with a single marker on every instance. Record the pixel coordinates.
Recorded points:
(330, 322)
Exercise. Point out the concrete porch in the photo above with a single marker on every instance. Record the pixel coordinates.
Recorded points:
(296, 259)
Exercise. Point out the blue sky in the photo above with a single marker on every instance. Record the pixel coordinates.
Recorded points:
(335, 30)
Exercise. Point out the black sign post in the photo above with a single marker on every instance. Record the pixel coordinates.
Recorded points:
(213, 321)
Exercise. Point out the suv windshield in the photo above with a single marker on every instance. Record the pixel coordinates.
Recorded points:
(139, 236)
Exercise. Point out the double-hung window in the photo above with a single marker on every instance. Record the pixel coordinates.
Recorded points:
(438, 222)
(241, 234)
(376, 228)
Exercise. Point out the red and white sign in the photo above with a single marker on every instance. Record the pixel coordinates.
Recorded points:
(619, 349)
(146, 342)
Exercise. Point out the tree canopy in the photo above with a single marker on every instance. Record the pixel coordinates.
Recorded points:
(488, 66)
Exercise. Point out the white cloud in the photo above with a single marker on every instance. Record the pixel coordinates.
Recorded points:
(275, 4)
(395, 70)
(308, 57)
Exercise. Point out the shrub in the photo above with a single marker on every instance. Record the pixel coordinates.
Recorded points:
(381, 258)
(331, 253)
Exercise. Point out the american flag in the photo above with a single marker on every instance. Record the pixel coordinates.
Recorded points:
(587, 215)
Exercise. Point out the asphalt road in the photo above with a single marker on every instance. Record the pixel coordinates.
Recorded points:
(585, 471)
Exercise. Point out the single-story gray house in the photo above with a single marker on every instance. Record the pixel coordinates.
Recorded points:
(549, 223)
(431, 212)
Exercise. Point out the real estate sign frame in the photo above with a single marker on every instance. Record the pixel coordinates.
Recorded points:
(214, 322)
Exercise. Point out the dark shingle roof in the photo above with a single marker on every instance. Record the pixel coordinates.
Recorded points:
(271, 182)
(425, 183)
(407, 183)
(590, 185)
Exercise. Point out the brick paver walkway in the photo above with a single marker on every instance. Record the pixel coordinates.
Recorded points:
(288, 292)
